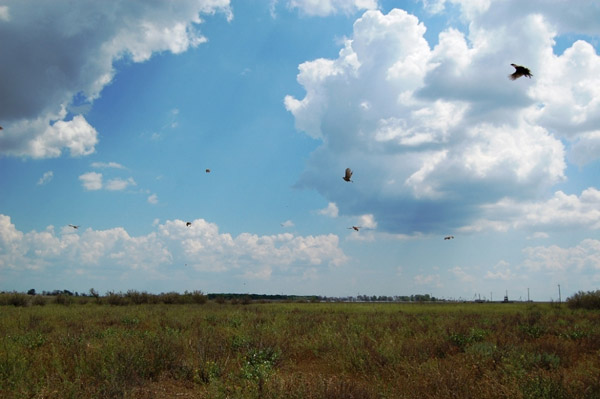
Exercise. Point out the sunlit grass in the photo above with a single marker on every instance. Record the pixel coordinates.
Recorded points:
(299, 350)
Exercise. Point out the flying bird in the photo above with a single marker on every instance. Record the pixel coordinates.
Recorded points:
(448, 237)
(520, 71)
(355, 228)
(73, 226)
(348, 175)
(188, 224)
(207, 170)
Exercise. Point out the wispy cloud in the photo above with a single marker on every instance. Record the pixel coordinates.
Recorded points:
(119, 184)
(153, 199)
(462, 275)
(264, 273)
(104, 165)
(4, 14)
(431, 280)
(46, 178)
(538, 235)
(502, 271)
(323, 8)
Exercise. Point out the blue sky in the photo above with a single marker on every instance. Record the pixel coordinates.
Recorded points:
(112, 112)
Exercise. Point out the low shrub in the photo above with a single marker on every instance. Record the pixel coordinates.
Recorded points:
(38, 300)
(63, 299)
(584, 300)
(14, 299)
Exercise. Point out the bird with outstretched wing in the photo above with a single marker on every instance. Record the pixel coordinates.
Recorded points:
(520, 71)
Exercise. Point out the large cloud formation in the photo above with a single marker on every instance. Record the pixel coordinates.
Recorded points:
(56, 52)
(436, 134)
(172, 245)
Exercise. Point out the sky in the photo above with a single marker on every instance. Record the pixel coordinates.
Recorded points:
(113, 111)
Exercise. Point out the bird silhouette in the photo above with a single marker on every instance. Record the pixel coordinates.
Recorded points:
(348, 175)
(188, 224)
(448, 237)
(74, 226)
(207, 170)
(355, 228)
(520, 71)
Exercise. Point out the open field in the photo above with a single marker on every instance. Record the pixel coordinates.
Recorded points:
(299, 350)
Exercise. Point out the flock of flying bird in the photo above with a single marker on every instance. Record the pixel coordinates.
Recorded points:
(519, 72)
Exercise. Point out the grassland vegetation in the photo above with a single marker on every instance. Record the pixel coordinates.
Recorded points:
(204, 349)
(585, 300)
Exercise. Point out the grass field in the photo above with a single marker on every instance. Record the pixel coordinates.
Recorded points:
(299, 350)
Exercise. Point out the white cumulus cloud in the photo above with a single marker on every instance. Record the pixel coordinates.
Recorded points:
(91, 181)
(331, 210)
(558, 212)
(438, 136)
(581, 257)
(200, 246)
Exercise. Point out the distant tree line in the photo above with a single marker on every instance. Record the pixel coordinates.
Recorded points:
(133, 297)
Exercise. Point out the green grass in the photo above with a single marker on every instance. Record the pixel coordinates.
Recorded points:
(299, 350)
